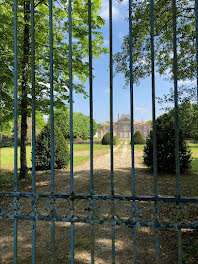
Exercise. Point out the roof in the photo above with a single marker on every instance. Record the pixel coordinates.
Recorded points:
(141, 124)
(135, 123)
(108, 124)
(125, 117)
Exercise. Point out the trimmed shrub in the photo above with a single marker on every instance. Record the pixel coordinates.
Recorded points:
(6, 141)
(166, 147)
(107, 139)
(43, 149)
(138, 138)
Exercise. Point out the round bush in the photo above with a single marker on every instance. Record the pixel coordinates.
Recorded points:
(166, 147)
(107, 139)
(138, 138)
(43, 149)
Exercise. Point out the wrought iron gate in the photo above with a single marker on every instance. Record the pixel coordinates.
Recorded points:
(176, 204)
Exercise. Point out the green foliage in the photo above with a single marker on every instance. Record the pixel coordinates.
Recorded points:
(188, 119)
(166, 147)
(7, 137)
(40, 123)
(163, 42)
(149, 122)
(81, 124)
(138, 138)
(43, 149)
(61, 59)
(106, 140)
(6, 141)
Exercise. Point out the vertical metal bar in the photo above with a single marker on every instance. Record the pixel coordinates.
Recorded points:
(113, 243)
(52, 126)
(177, 159)
(71, 97)
(154, 130)
(91, 123)
(111, 117)
(71, 123)
(33, 130)
(15, 98)
(15, 125)
(131, 97)
(90, 97)
(179, 246)
(132, 127)
(196, 17)
(111, 93)
(51, 95)
(176, 100)
(15, 240)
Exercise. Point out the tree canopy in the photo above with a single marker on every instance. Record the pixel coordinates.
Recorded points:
(60, 49)
(81, 123)
(188, 120)
(186, 41)
(42, 57)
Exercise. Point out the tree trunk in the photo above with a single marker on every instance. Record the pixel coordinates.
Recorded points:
(25, 73)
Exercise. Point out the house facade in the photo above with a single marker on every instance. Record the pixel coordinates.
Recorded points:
(122, 129)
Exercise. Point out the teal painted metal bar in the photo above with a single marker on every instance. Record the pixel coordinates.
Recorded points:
(91, 124)
(71, 98)
(90, 96)
(175, 73)
(51, 95)
(180, 254)
(111, 91)
(196, 19)
(163, 199)
(154, 129)
(132, 128)
(71, 125)
(33, 129)
(111, 119)
(52, 226)
(15, 126)
(175, 67)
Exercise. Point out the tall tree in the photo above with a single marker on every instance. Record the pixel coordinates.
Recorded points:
(61, 56)
(81, 123)
(163, 43)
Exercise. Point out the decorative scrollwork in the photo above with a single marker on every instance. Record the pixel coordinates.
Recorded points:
(164, 212)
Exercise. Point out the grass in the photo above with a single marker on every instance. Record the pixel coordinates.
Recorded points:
(7, 158)
(139, 147)
(194, 149)
(86, 147)
(80, 159)
(7, 155)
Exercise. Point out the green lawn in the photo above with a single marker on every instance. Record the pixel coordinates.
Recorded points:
(194, 149)
(86, 147)
(139, 147)
(7, 155)
(80, 159)
(7, 158)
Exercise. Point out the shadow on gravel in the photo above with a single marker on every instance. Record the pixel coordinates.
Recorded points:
(103, 242)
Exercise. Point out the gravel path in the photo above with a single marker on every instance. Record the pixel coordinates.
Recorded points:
(103, 242)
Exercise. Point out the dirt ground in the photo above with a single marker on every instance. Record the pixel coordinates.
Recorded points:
(123, 235)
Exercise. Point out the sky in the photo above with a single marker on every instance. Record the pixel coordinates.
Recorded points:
(121, 97)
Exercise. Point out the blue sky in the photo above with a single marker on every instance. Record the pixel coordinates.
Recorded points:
(142, 93)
